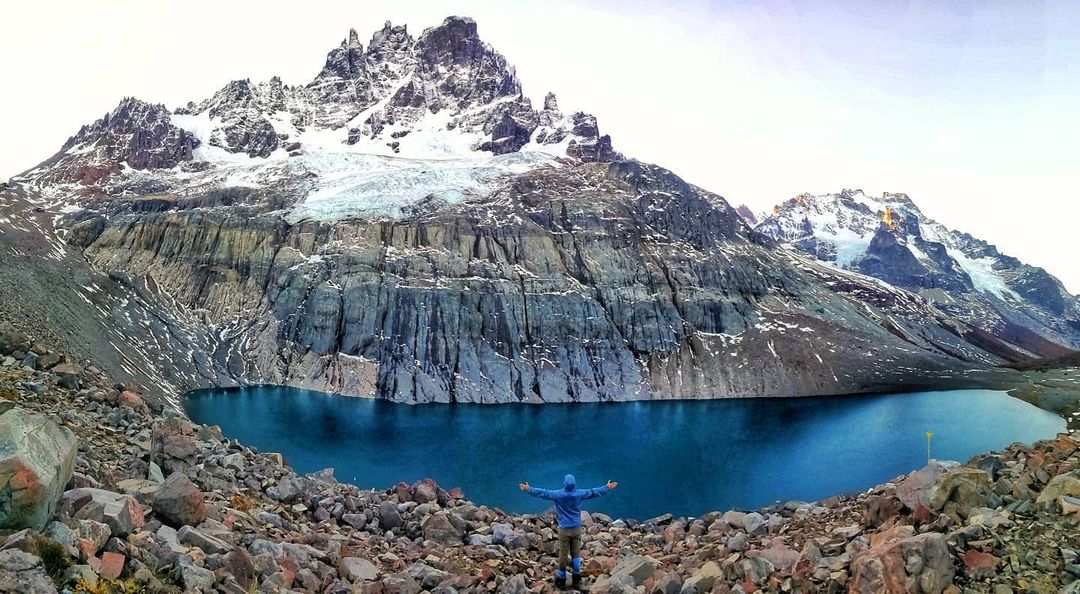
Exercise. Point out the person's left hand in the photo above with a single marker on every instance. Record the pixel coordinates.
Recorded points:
(523, 486)
(612, 484)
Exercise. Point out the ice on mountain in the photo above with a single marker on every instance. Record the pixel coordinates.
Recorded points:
(983, 276)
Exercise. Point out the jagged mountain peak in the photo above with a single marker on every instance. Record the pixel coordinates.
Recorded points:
(443, 95)
(888, 237)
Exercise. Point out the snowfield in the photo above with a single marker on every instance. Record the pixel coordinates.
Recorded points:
(364, 180)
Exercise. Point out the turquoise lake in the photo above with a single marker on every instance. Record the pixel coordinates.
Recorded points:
(683, 457)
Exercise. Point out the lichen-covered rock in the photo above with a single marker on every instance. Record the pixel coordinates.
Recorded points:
(37, 459)
(921, 564)
(444, 528)
(23, 573)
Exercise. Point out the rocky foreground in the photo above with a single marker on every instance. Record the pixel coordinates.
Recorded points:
(102, 490)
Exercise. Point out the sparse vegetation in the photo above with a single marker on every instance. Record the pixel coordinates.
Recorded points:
(53, 557)
(241, 502)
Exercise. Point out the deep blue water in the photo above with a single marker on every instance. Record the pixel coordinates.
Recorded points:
(685, 457)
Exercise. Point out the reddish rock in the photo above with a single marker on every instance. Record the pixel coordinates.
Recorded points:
(86, 547)
(1064, 445)
(112, 564)
(179, 502)
(923, 515)
(424, 491)
(881, 510)
(130, 400)
(980, 564)
(894, 534)
(918, 564)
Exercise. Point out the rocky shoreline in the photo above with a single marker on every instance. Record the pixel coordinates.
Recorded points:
(153, 503)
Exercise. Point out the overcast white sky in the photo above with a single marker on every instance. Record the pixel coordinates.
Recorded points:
(973, 109)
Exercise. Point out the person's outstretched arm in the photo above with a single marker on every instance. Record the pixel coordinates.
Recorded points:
(598, 491)
(541, 493)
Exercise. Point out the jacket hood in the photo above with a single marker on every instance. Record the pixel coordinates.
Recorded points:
(569, 482)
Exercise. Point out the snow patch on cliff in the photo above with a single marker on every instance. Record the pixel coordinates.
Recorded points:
(377, 186)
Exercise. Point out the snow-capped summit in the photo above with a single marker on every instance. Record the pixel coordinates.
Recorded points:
(442, 114)
(888, 237)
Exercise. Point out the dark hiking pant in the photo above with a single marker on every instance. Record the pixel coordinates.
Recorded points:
(569, 546)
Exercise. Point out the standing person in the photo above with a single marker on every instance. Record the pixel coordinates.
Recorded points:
(568, 510)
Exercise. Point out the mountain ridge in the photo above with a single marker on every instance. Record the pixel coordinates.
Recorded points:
(409, 226)
(890, 238)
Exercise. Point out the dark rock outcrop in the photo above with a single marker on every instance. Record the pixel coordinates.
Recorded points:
(137, 134)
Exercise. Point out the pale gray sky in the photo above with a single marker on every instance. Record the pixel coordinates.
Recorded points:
(970, 108)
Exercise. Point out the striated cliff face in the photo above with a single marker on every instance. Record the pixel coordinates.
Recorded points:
(593, 282)
(409, 226)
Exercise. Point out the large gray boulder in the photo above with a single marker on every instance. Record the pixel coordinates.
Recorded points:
(24, 573)
(37, 458)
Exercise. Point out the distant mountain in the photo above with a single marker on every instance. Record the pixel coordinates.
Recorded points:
(747, 214)
(889, 238)
(408, 225)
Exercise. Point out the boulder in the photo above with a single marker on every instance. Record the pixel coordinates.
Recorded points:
(918, 564)
(67, 375)
(1062, 484)
(915, 489)
(754, 523)
(703, 580)
(197, 538)
(782, 557)
(424, 491)
(179, 501)
(11, 340)
(121, 513)
(636, 568)
(400, 583)
(173, 444)
(239, 565)
(426, 575)
(514, 585)
(505, 535)
(966, 487)
(389, 516)
(191, 576)
(37, 459)
(112, 565)
(289, 489)
(444, 528)
(22, 572)
(669, 583)
(358, 569)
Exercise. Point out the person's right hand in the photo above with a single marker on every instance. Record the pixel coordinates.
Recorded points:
(523, 486)
(612, 484)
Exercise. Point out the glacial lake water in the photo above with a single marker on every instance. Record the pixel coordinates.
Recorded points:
(683, 457)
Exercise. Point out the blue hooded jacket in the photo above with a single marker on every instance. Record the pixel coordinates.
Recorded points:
(568, 500)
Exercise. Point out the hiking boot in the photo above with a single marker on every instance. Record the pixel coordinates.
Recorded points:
(577, 580)
(560, 582)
